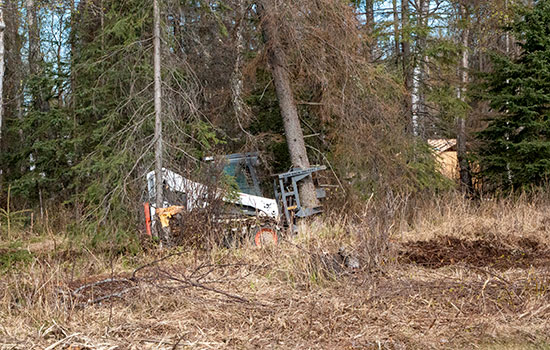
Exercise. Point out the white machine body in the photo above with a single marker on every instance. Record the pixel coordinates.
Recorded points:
(196, 195)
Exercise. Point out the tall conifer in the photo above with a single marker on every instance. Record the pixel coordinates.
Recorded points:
(515, 146)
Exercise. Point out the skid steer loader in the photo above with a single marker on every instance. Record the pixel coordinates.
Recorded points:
(248, 214)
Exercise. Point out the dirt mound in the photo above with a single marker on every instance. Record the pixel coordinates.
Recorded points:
(497, 253)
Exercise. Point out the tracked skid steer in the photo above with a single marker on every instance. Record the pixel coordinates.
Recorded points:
(247, 215)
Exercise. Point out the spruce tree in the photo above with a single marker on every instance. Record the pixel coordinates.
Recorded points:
(515, 146)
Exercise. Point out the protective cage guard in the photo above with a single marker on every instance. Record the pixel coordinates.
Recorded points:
(285, 187)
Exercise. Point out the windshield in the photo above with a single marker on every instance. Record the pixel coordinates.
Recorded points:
(241, 171)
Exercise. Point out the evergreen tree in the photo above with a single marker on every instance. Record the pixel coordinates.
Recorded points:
(515, 146)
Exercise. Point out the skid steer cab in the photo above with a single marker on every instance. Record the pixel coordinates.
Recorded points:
(261, 220)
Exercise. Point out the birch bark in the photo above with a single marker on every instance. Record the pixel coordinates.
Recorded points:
(465, 177)
(239, 108)
(2, 27)
(419, 71)
(159, 200)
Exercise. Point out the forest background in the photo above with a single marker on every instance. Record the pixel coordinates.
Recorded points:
(95, 94)
(372, 80)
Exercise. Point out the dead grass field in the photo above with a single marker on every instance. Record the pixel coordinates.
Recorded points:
(454, 274)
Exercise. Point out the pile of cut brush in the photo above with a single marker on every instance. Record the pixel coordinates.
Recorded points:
(154, 278)
(497, 252)
(204, 229)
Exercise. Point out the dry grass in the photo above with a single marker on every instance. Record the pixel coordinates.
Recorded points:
(292, 296)
(523, 216)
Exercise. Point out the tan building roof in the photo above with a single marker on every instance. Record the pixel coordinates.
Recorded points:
(442, 145)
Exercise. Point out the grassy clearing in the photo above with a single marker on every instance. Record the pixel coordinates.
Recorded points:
(294, 296)
(515, 346)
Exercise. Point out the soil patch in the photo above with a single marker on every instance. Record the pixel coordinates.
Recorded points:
(497, 253)
(98, 290)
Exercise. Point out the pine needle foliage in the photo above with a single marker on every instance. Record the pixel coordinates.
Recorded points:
(113, 105)
(115, 111)
(356, 106)
(515, 146)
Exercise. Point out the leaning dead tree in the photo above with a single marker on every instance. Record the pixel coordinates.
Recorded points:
(317, 49)
(267, 9)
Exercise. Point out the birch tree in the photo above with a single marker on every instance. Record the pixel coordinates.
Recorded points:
(239, 107)
(2, 27)
(465, 179)
(419, 71)
(158, 107)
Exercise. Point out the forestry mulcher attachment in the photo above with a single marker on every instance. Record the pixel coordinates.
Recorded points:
(247, 215)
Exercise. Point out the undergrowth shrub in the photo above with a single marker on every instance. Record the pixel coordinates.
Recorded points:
(13, 256)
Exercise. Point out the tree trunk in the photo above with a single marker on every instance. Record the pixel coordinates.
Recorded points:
(415, 98)
(58, 61)
(2, 27)
(159, 200)
(465, 177)
(32, 28)
(13, 72)
(507, 33)
(419, 71)
(72, 42)
(407, 64)
(293, 130)
(507, 48)
(396, 35)
(239, 107)
(369, 4)
(35, 62)
(35, 57)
